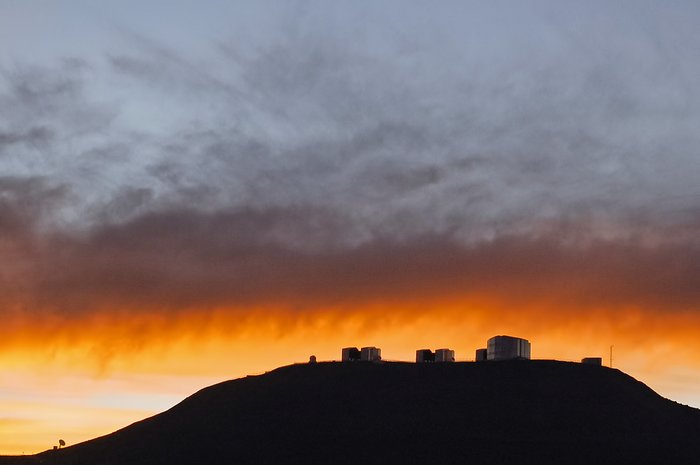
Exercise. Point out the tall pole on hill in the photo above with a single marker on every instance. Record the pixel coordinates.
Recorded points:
(611, 351)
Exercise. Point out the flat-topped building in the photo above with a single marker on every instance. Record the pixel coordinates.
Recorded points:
(370, 354)
(366, 354)
(350, 354)
(444, 355)
(425, 356)
(507, 348)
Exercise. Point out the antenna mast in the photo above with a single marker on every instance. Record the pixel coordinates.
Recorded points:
(611, 356)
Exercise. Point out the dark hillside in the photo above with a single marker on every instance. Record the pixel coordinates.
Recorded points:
(359, 413)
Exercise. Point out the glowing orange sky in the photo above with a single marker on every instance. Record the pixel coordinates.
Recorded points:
(90, 378)
(103, 329)
(220, 188)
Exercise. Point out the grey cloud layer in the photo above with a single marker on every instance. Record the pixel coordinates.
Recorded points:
(431, 138)
(156, 171)
(187, 260)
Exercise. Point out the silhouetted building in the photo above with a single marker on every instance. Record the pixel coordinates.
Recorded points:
(312, 359)
(424, 355)
(444, 355)
(507, 348)
(351, 354)
(481, 355)
(598, 361)
(370, 354)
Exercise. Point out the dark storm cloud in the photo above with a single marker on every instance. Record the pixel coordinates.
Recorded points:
(327, 167)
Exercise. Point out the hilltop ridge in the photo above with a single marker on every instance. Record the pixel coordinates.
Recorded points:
(532, 411)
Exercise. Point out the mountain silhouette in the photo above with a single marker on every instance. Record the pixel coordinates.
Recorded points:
(535, 412)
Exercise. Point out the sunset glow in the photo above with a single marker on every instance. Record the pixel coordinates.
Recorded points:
(192, 192)
(85, 386)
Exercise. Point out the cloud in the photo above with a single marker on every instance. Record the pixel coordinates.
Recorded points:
(36, 136)
(180, 261)
(315, 121)
(310, 170)
(383, 173)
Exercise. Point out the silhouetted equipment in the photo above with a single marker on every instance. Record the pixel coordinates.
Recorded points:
(507, 348)
(61, 443)
(611, 350)
(598, 361)
(425, 356)
(370, 354)
(312, 359)
(367, 354)
(350, 354)
(444, 355)
(481, 355)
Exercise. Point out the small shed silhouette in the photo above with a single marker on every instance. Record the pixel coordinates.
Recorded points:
(481, 355)
(444, 355)
(350, 354)
(424, 356)
(597, 361)
(370, 354)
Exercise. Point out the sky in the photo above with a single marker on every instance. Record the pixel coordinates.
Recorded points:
(194, 191)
